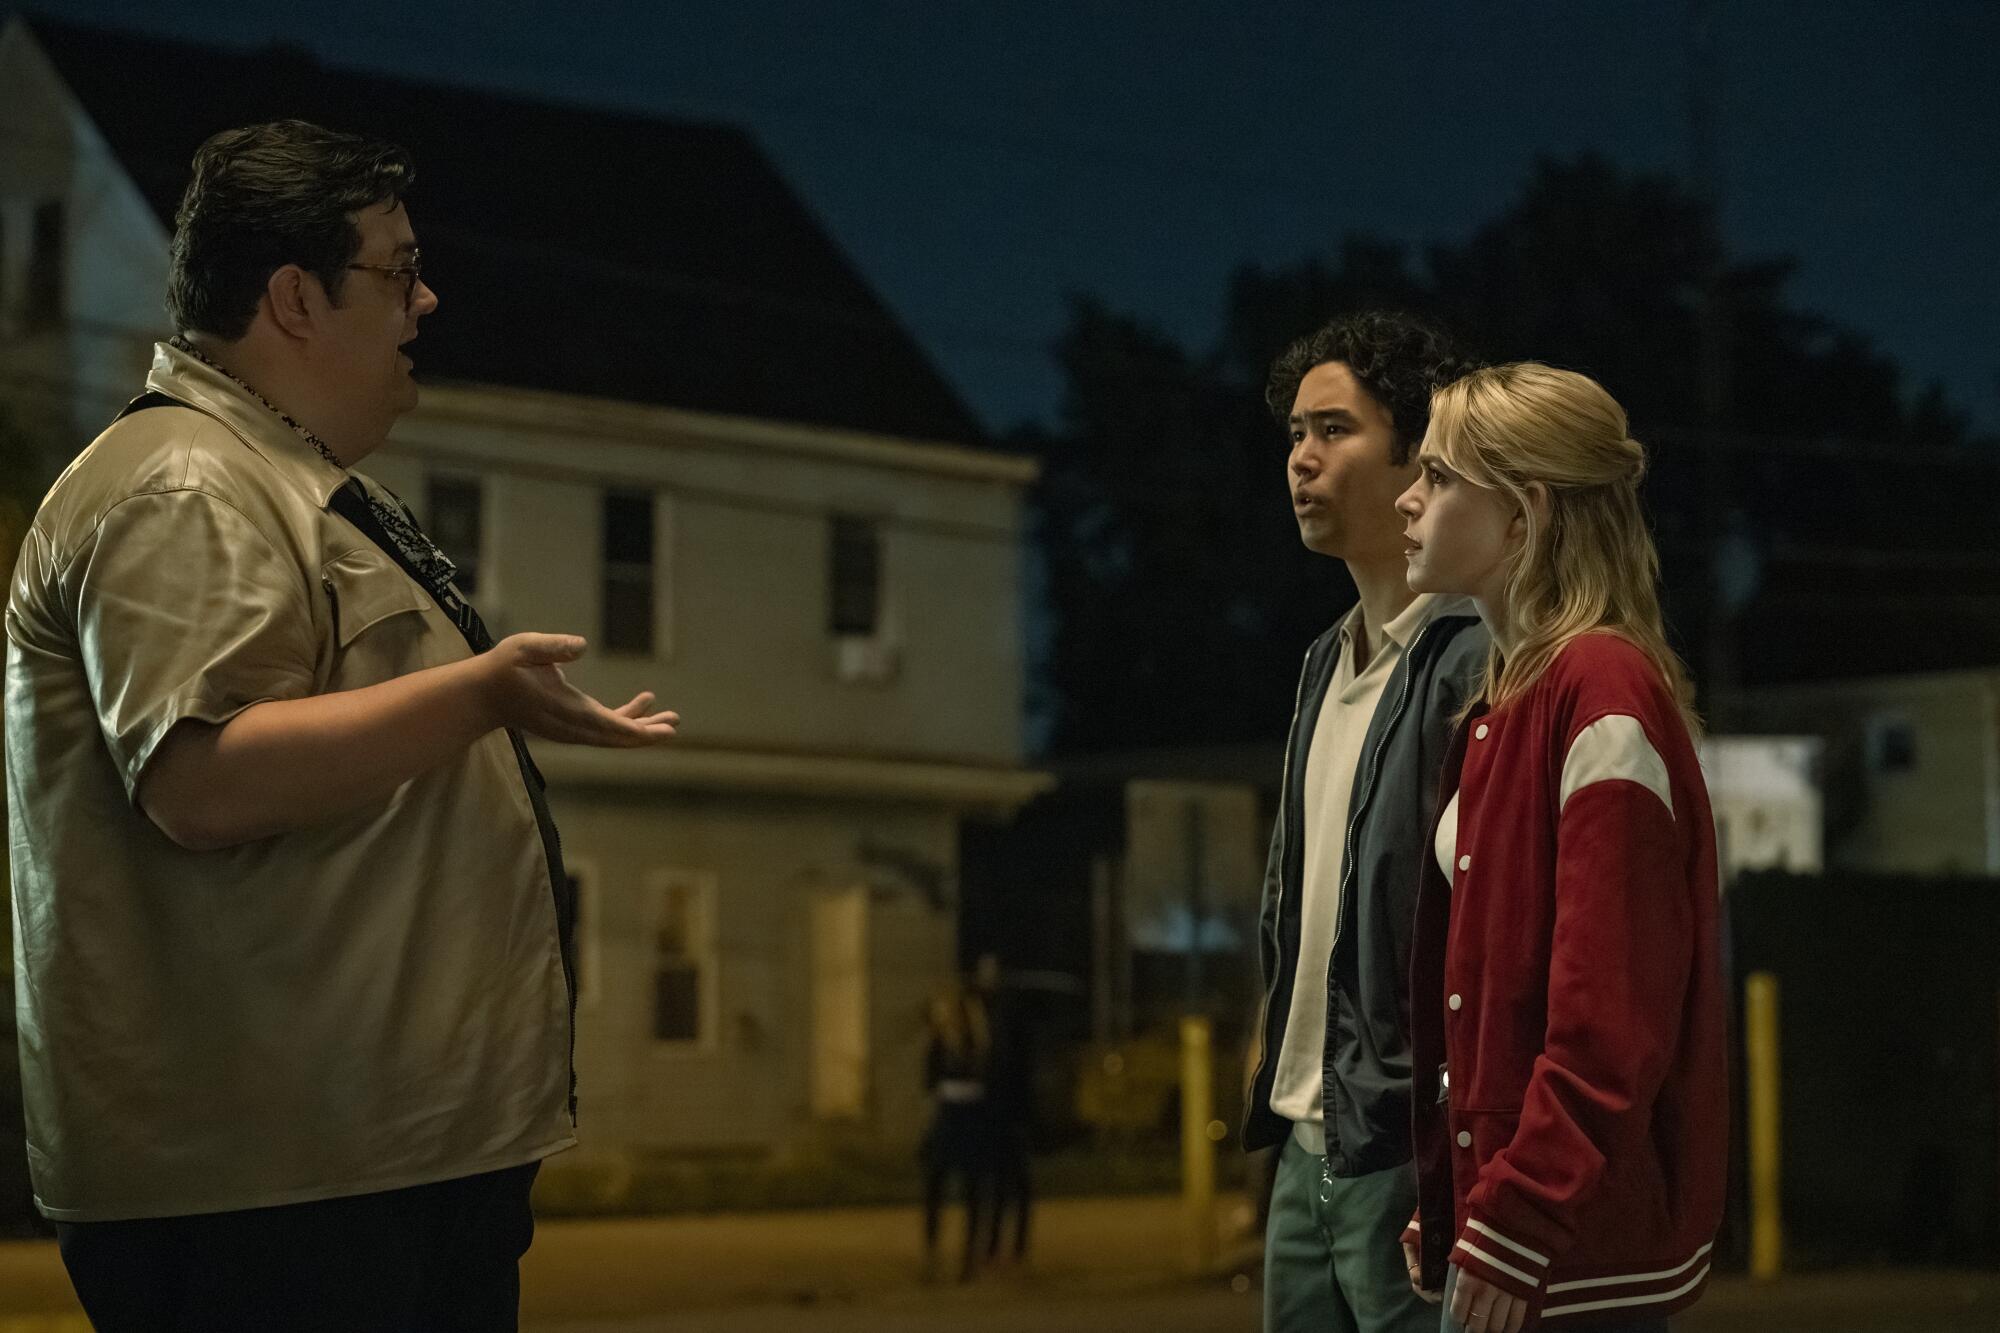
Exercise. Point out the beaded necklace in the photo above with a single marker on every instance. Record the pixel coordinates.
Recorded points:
(431, 566)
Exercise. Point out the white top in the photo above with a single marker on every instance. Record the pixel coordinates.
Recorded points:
(1446, 841)
(1331, 760)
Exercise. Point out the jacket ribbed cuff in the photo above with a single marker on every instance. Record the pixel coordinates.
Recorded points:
(1514, 1265)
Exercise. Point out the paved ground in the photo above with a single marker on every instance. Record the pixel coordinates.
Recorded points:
(1101, 1266)
(1189, 1310)
(1849, 1303)
(613, 1269)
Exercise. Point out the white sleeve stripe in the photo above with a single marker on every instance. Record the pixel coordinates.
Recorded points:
(1515, 1246)
(1633, 1279)
(1509, 1269)
(1621, 1302)
(1614, 749)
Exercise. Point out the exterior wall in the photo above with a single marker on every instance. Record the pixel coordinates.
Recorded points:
(1764, 791)
(743, 650)
(67, 382)
(1937, 813)
(743, 514)
(742, 533)
(746, 1085)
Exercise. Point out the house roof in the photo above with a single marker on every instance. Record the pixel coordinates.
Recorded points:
(573, 249)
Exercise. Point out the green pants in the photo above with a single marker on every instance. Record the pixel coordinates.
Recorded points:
(1333, 1255)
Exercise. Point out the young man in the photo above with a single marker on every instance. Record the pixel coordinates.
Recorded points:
(1375, 707)
(292, 932)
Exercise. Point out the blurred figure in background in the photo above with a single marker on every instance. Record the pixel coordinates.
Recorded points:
(958, 1143)
(1009, 1109)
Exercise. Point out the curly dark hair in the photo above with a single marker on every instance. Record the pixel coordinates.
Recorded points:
(1400, 358)
(266, 196)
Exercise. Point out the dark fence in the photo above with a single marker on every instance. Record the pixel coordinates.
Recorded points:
(1890, 1035)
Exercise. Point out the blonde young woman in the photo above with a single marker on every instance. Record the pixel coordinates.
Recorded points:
(1567, 1002)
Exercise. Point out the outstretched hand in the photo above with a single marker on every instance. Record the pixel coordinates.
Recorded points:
(524, 685)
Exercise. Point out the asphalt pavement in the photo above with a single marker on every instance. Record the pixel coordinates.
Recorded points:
(1097, 1266)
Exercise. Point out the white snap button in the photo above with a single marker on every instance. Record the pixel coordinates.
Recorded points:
(1464, 1139)
(1480, 734)
(1465, 863)
(1456, 1003)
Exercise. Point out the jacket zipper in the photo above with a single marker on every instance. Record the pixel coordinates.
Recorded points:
(1374, 769)
(1347, 845)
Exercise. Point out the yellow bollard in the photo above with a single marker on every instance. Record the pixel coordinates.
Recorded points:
(1760, 1040)
(1197, 1143)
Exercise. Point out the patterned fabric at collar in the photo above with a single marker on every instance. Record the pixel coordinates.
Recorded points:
(426, 562)
(190, 380)
(319, 446)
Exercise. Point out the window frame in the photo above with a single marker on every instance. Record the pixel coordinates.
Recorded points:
(44, 302)
(706, 956)
(584, 873)
(870, 526)
(609, 571)
(482, 590)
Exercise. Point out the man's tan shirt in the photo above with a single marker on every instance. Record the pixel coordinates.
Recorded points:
(374, 1002)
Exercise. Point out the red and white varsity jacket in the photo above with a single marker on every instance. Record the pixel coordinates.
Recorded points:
(1567, 1020)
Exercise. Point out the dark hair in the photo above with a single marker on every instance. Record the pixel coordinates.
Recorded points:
(1398, 357)
(266, 196)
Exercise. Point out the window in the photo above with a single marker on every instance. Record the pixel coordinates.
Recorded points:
(628, 572)
(582, 876)
(1892, 743)
(44, 292)
(854, 581)
(683, 958)
(456, 520)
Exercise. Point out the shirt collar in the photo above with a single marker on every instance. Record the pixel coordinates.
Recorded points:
(1403, 627)
(191, 381)
(1410, 619)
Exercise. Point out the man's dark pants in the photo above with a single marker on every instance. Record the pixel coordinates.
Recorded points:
(433, 1259)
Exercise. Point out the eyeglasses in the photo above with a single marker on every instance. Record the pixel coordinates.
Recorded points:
(411, 272)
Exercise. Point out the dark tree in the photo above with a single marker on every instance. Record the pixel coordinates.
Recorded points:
(1180, 595)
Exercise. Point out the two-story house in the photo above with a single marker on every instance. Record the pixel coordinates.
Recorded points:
(660, 409)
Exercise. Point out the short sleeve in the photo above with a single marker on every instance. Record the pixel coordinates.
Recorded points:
(185, 611)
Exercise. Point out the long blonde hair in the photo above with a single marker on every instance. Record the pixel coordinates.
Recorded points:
(1588, 561)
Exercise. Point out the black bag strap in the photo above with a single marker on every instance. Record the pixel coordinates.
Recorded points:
(150, 398)
(351, 503)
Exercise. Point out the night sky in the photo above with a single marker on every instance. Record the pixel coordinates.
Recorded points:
(982, 161)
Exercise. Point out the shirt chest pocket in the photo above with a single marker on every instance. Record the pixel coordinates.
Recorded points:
(382, 627)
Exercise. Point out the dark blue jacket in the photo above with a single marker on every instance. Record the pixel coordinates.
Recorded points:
(1390, 815)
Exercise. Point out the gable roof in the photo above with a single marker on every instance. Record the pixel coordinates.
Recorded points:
(576, 250)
